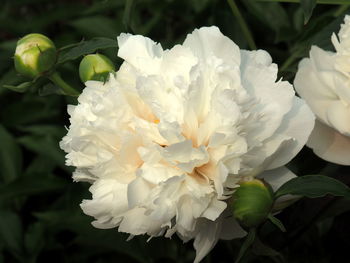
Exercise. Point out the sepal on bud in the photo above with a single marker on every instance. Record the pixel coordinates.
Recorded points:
(34, 55)
(95, 67)
(252, 202)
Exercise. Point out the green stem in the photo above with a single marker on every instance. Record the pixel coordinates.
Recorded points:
(249, 240)
(290, 60)
(245, 29)
(70, 46)
(276, 222)
(67, 89)
(325, 2)
(342, 9)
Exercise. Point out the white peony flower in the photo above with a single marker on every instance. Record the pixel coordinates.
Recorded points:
(323, 80)
(165, 141)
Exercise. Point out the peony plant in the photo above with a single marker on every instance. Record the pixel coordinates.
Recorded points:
(189, 141)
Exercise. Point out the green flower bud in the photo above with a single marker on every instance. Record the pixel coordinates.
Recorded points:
(35, 54)
(252, 202)
(95, 67)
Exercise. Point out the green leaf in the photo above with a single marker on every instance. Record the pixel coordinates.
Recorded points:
(199, 5)
(261, 249)
(272, 15)
(88, 237)
(44, 145)
(307, 6)
(97, 26)
(248, 241)
(127, 14)
(34, 241)
(11, 231)
(56, 131)
(40, 165)
(31, 185)
(244, 26)
(50, 89)
(10, 156)
(23, 87)
(10, 78)
(276, 222)
(87, 47)
(313, 186)
(29, 109)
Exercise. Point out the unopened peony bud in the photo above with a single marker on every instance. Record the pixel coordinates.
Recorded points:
(95, 67)
(35, 54)
(252, 202)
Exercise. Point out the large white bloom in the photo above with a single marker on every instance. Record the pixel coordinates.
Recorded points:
(323, 80)
(166, 140)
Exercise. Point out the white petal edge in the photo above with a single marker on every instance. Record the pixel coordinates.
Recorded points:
(141, 52)
(208, 41)
(297, 124)
(329, 144)
(315, 92)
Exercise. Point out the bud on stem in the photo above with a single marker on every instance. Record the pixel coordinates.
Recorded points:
(95, 67)
(34, 55)
(252, 203)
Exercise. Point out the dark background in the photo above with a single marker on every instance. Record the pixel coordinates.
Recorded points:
(40, 217)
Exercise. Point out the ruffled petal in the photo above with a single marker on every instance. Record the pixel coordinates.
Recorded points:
(208, 41)
(297, 124)
(274, 98)
(141, 52)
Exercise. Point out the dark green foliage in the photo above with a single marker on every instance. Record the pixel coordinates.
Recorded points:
(314, 186)
(40, 217)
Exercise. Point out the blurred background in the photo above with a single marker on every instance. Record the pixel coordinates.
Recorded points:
(40, 217)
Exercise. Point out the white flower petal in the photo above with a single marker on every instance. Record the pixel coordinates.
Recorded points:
(309, 86)
(277, 177)
(208, 41)
(329, 144)
(108, 200)
(138, 191)
(214, 209)
(230, 228)
(297, 124)
(141, 52)
(206, 239)
(338, 116)
(275, 98)
(136, 222)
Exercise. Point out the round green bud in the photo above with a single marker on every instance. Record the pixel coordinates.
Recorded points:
(35, 54)
(95, 67)
(252, 202)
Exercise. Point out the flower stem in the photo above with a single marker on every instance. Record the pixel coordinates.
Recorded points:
(342, 9)
(67, 89)
(249, 240)
(290, 60)
(245, 29)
